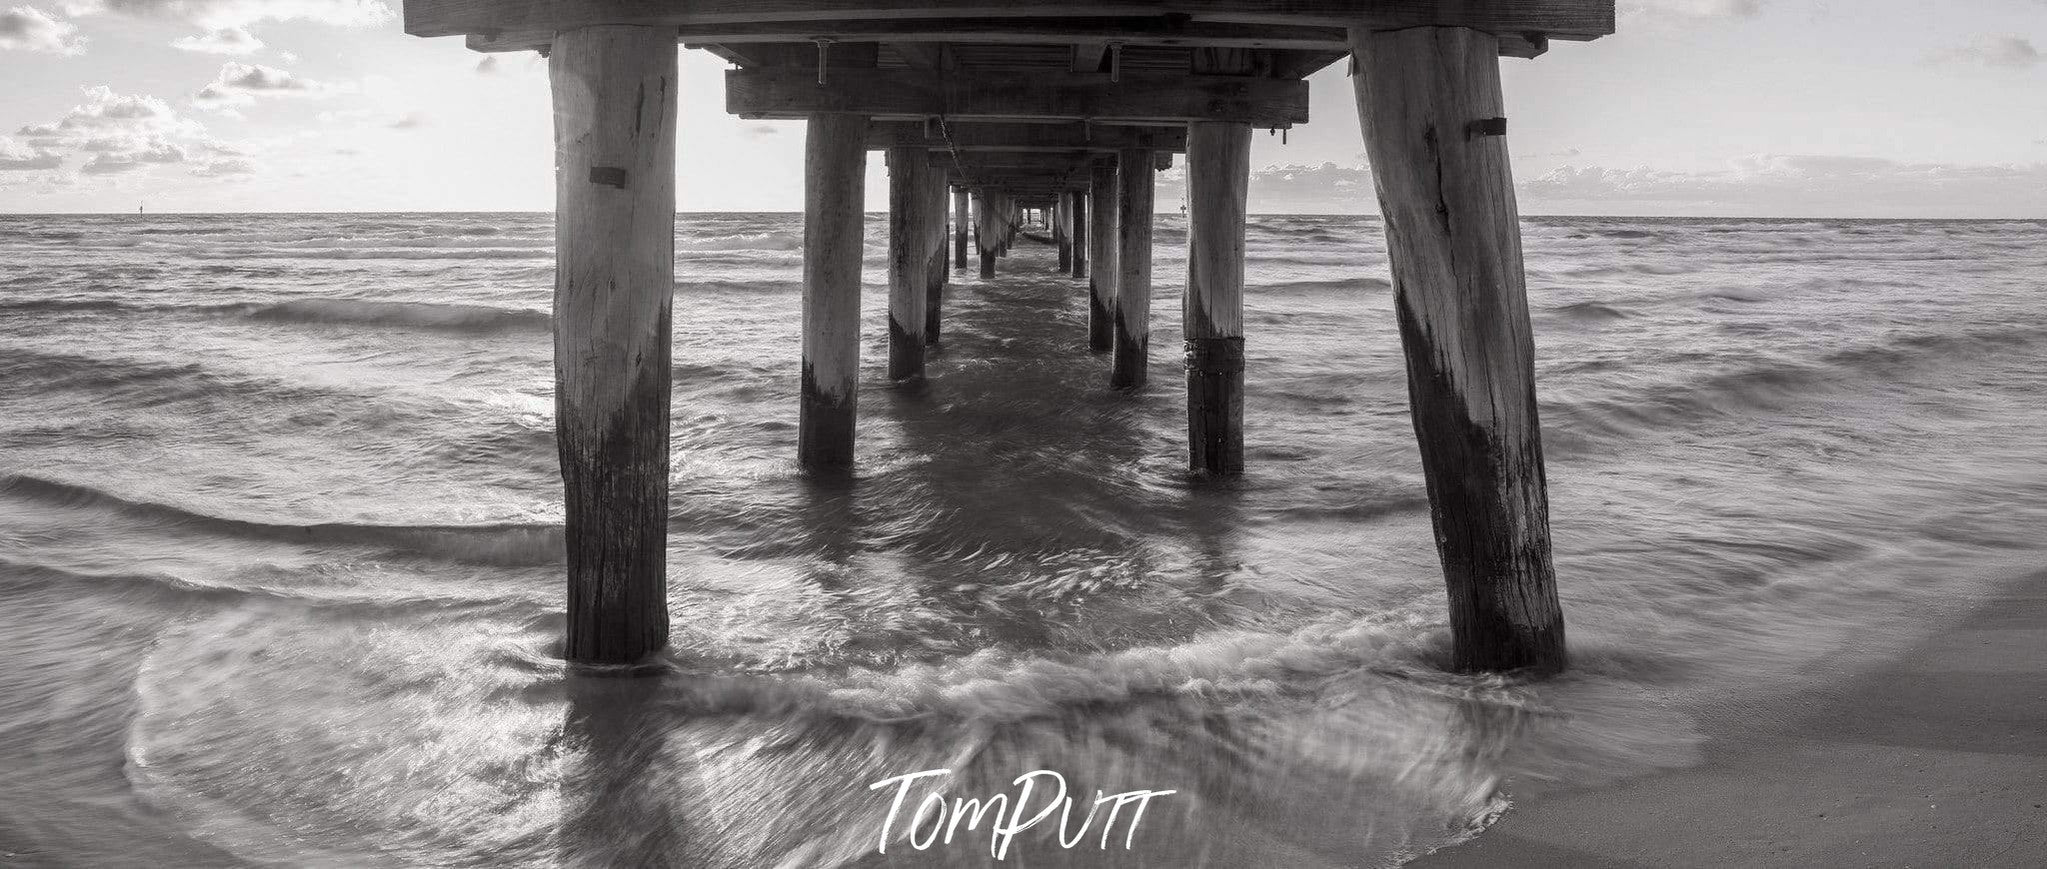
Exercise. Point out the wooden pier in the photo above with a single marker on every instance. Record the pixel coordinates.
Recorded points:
(987, 112)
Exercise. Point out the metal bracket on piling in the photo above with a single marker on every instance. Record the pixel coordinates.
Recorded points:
(609, 176)
(1115, 61)
(824, 55)
(1489, 127)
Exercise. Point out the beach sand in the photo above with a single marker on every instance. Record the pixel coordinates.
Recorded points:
(1935, 759)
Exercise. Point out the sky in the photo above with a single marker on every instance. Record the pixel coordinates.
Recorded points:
(1766, 108)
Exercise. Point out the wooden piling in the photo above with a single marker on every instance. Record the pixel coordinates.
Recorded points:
(1133, 269)
(1101, 312)
(962, 216)
(908, 186)
(985, 233)
(1218, 178)
(1077, 207)
(614, 93)
(1059, 235)
(936, 275)
(1006, 222)
(834, 203)
(1453, 234)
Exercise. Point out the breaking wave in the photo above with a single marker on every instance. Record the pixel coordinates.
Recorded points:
(502, 544)
(361, 312)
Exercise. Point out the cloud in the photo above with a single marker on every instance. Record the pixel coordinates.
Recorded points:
(219, 14)
(1313, 177)
(226, 40)
(114, 134)
(224, 168)
(759, 130)
(2001, 52)
(411, 121)
(224, 24)
(488, 65)
(18, 156)
(1757, 185)
(106, 113)
(241, 84)
(26, 28)
(1328, 188)
(1802, 184)
(112, 163)
(1693, 8)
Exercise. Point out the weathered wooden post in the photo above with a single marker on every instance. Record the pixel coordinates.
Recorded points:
(1101, 312)
(979, 216)
(985, 232)
(834, 202)
(1005, 223)
(908, 183)
(936, 275)
(1077, 206)
(614, 114)
(1059, 234)
(1133, 269)
(1429, 102)
(1218, 178)
(961, 217)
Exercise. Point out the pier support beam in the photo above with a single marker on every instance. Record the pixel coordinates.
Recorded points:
(986, 232)
(962, 216)
(909, 186)
(1218, 179)
(1060, 236)
(1077, 206)
(1101, 286)
(1454, 238)
(614, 113)
(834, 206)
(1133, 269)
(1009, 219)
(936, 275)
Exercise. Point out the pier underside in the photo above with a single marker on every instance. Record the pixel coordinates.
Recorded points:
(994, 114)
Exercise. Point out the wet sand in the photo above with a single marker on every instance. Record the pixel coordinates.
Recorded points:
(1938, 758)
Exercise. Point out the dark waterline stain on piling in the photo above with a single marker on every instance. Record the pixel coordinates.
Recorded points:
(1501, 582)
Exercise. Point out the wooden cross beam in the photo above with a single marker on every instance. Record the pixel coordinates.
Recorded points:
(970, 136)
(1168, 30)
(1049, 161)
(1557, 19)
(1019, 180)
(1302, 48)
(912, 94)
(1154, 30)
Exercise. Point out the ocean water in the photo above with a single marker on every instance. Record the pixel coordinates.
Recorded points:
(279, 535)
